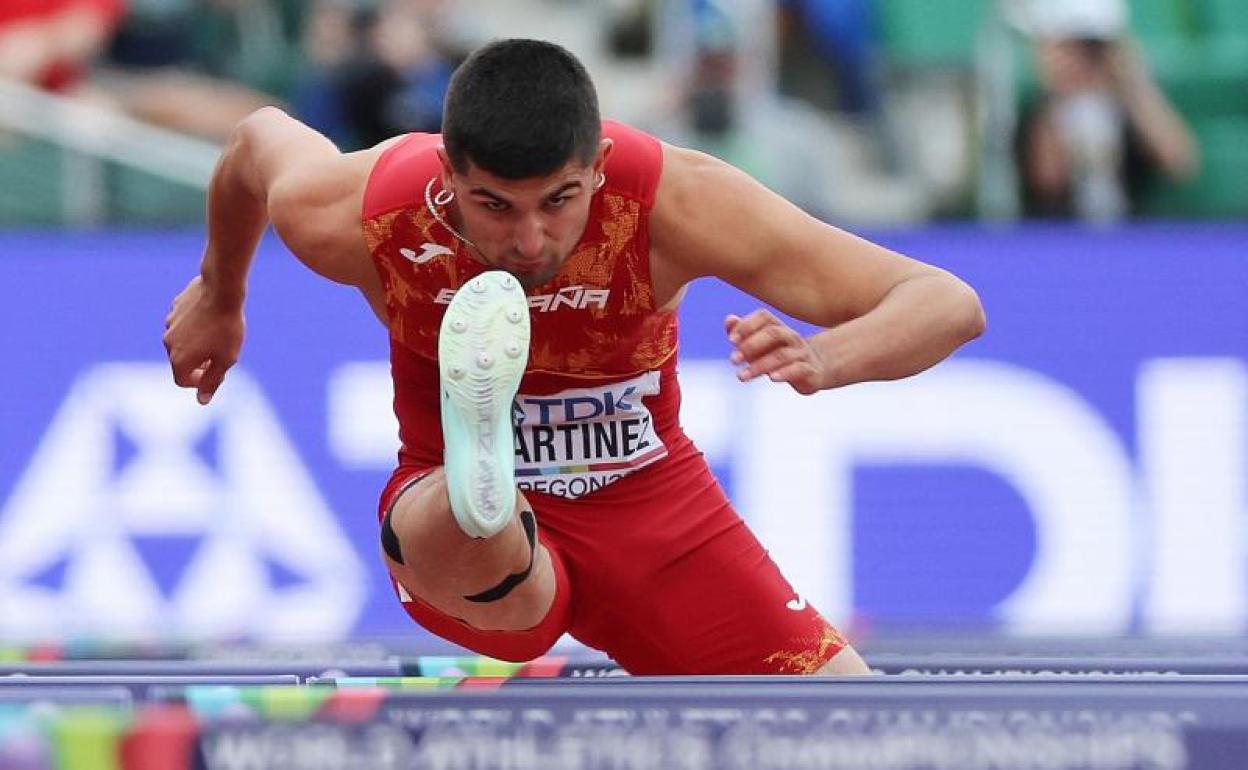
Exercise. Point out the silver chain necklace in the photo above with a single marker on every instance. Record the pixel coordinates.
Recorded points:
(429, 204)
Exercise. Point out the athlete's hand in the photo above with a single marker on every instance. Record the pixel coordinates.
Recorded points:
(765, 346)
(203, 337)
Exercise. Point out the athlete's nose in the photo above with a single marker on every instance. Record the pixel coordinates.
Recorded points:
(530, 235)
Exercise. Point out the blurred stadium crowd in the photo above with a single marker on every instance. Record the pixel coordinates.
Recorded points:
(861, 111)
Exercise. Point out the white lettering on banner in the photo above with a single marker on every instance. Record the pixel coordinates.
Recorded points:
(709, 392)
(1057, 452)
(577, 441)
(571, 297)
(1166, 536)
(1193, 446)
(1039, 435)
(256, 516)
(363, 431)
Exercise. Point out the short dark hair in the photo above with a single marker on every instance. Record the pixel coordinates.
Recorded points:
(520, 109)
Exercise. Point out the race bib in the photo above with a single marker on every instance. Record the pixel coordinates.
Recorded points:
(577, 441)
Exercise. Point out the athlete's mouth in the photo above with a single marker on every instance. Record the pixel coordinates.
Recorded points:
(527, 265)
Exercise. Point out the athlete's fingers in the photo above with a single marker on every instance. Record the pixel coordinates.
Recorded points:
(765, 340)
(730, 326)
(197, 374)
(767, 364)
(209, 380)
(167, 341)
(741, 329)
(800, 375)
(751, 323)
(185, 374)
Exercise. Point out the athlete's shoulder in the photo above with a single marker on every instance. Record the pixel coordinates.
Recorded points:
(635, 163)
(397, 178)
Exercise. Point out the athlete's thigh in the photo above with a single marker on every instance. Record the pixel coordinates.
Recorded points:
(725, 608)
(670, 580)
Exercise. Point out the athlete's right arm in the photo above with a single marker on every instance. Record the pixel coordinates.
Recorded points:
(275, 169)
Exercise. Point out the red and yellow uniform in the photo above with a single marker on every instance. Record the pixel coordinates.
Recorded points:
(653, 566)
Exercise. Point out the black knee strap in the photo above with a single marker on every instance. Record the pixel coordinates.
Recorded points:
(389, 540)
(510, 582)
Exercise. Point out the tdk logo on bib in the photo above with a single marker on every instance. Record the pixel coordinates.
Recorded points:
(576, 441)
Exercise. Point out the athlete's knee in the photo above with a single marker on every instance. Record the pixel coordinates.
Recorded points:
(526, 607)
(513, 580)
(401, 523)
(504, 582)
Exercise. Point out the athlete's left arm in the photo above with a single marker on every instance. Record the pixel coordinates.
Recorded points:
(885, 315)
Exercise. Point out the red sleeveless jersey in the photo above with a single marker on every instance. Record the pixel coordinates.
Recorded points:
(599, 398)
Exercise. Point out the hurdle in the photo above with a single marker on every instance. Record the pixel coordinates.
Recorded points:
(914, 722)
(214, 668)
(139, 686)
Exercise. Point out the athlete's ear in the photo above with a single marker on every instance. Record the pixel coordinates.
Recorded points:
(600, 160)
(448, 168)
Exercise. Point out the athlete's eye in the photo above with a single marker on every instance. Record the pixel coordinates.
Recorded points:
(494, 205)
(557, 201)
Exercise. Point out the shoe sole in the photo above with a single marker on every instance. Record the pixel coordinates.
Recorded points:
(483, 348)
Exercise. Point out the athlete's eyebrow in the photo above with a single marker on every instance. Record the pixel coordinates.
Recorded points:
(563, 188)
(488, 194)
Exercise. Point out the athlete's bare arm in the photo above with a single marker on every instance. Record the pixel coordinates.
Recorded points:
(274, 169)
(885, 315)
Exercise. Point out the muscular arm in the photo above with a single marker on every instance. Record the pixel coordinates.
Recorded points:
(885, 316)
(273, 169)
(277, 169)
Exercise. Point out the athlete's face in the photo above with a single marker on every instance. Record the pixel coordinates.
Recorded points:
(527, 227)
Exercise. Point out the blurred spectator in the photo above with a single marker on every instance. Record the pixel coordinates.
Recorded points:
(713, 106)
(708, 104)
(398, 81)
(248, 41)
(840, 36)
(1100, 125)
(177, 63)
(329, 43)
(50, 43)
(777, 141)
(630, 28)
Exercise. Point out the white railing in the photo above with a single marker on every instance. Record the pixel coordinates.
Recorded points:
(90, 134)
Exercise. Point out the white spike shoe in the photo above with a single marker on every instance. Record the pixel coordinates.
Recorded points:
(483, 347)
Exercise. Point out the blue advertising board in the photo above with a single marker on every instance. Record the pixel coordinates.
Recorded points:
(1079, 468)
